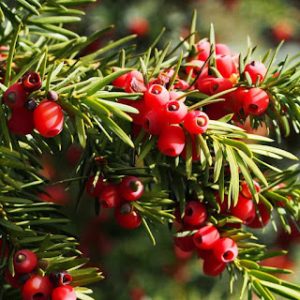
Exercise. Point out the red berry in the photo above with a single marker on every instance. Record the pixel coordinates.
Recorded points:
(212, 266)
(262, 218)
(60, 278)
(32, 81)
(206, 236)
(185, 243)
(235, 100)
(131, 188)
(245, 190)
(139, 26)
(65, 292)
(156, 96)
(109, 196)
(196, 122)
(121, 81)
(194, 67)
(195, 213)
(25, 261)
(175, 111)
(225, 65)
(154, 122)
(256, 70)
(127, 217)
(256, 102)
(134, 82)
(175, 95)
(15, 96)
(211, 85)
(181, 84)
(195, 153)
(21, 121)
(222, 49)
(203, 50)
(48, 118)
(225, 250)
(94, 188)
(171, 141)
(37, 287)
(244, 209)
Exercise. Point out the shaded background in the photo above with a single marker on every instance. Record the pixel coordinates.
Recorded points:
(135, 269)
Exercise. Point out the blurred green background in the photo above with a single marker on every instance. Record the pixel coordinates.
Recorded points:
(134, 269)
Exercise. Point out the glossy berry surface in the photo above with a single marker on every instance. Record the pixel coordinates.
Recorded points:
(171, 141)
(37, 288)
(195, 213)
(196, 122)
(225, 250)
(256, 71)
(245, 189)
(196, 68)
(211, 85)
(127, 217)
(222, 49)
(262, 217)
(212, 266)
(206, 236)
(48, 119)
(256, 102)
(66, 292)
(203, 50)
(175, 111)
(109, 196)
(225, 65)
(156, 96)
(15, 96)
(154, 122)
(32, 81)
(25, 261)
(94, 186)
(21, 122)
(131, 188)
(244, 209)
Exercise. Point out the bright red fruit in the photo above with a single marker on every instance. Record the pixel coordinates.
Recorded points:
(256, 70)
(212, 266)
(195, 213)
(94, 188)
(256, 102)
(226, 65)
(203, 49)
(175, 111)
(262, 218)
(48, 118)
(222, 49)
(140, 106)
(245, 190)
(154, 122)
(194, 67)
(127, 217)
(156, 96)
(109, 196)
(65, 292)
(171, 141)
(37, 287)
(15, 96)
(225, 250)
(131, 188)
(211, 85)
(196, 122)
(139, 26)
(21, 121)
(32, 81)
(206, 236)
(135, 82)
(244, 209)
(25, 261)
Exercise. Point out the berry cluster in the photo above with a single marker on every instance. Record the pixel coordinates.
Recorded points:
(163, 113)
(244, 101)
(253, 215)
(118, 196)
(56, 286)
(47, 117)
(216, 251)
